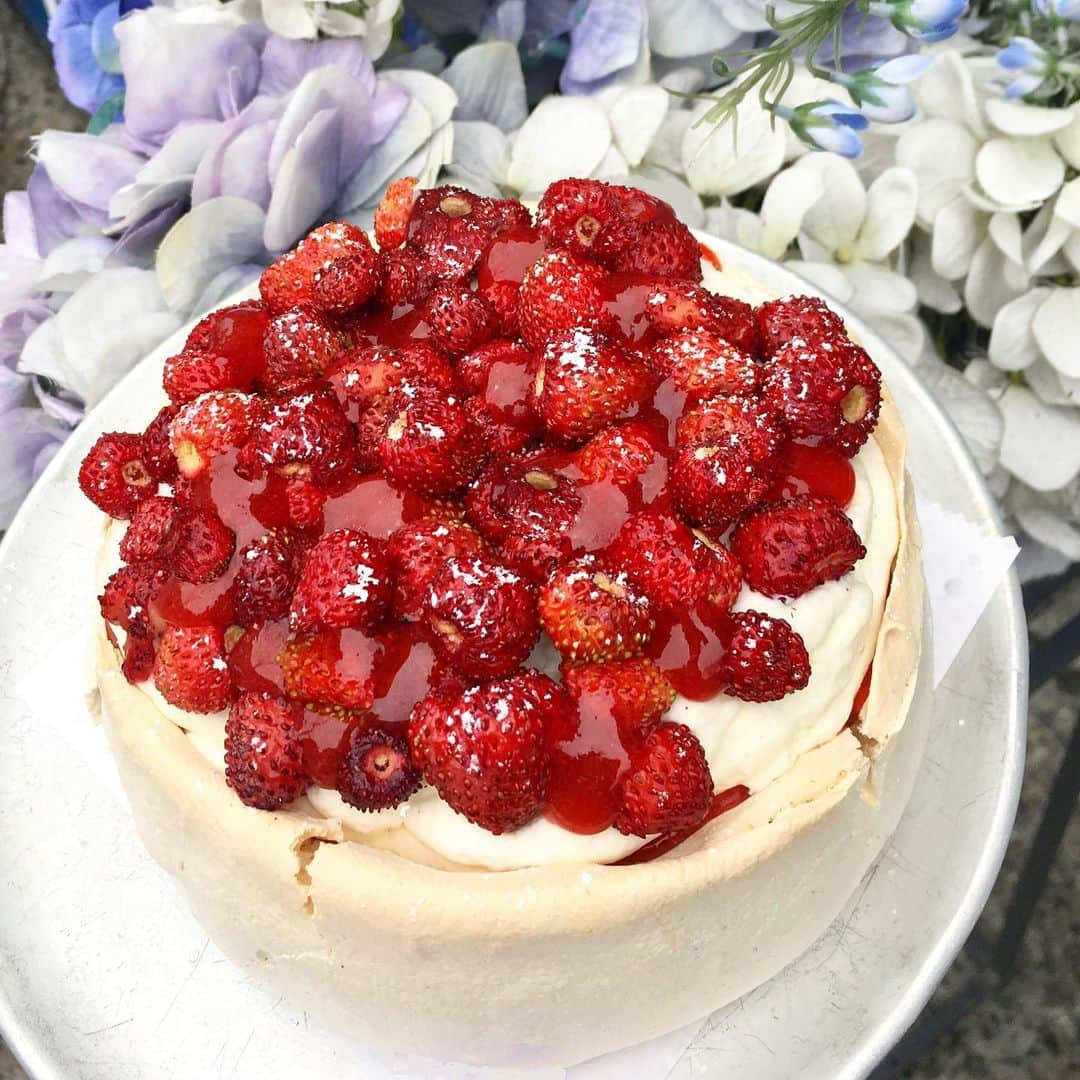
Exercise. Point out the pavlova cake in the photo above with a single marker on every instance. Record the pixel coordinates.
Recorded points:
(489, 610)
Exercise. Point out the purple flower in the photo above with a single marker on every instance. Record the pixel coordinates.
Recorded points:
(85, 51)
(28, 440)
(607, 41)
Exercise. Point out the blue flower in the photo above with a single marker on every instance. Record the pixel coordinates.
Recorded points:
(923, 20)
(85, 50)
(1031, 62)
(1057, 10)
(881, 92)
(828, 125)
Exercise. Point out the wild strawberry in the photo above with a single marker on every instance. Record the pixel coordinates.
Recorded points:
(138, 663)
(500, 375)
(791, 547)
(805, 317)
(377, 771)
(703, 365)
(157, 449)
(669, 787)
(407, 277)
(635, 691)
(667, 249)
(115, 475)
(151, 534)
(460, 319)
(636, 213)
(348, 281)
(287, 282)
(300, 343)
(593, 614)
(765, 659)
(235, 332)
(501, 216)
(209, 425)
(125, 601)
(527, 507)
(622, 453)
(371, 427)
(675, 306)
(265, 578)
(368, 371)
(263, 761)
(344, 582)
(329, 670)
(577, 214)
(713, 484)
(736, 423)
(392, 213)
(431, 444)
(559, 291)
(302, 434)
(448, 227)
(474, 369)
(419, 550)
(500, 440)
(483, 615)
(484, 750)
(829, 388)
(673, 566)
(202, 547)
(191, 671)
(188, 374)
(303, 504)
(584, 381)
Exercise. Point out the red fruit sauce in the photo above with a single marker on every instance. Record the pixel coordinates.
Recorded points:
(710, 256)
(807, 469)
(689, 647)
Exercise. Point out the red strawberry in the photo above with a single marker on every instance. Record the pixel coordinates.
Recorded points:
(765, 659)
(418, 551)
(377, 771)
(191, 670)
(675, 306)
(371, 427)
(703, 365)
(559, 291)
(460, 319)
(302, 434)
(431, 445)
(829, 388)
(735, 423)
(392, 213)
(715, 483)
(138, 662)
(330, 670)
(287, 282)
(157, 448)
(667, 249)
(500, 440)
(474, 369)
(500, 373)
(344, 582)
(263, 761)
(368, 371)
(126, 598)
(209, 425)
(300, 343)
(592, 614)
(527, 507)
(304, 504)
(621, 454)
(483, 615)
(348, 281)
(635, 692)
(151, 534)
(484, 750)
(202, 548)
(584, 381)
(501, 270)
(188, 374)
(669, 787)
(501, 216)
(115, 475)
(407, 277)
(265, 579)
(578, 215)
(790, 548)
(673, 566)
(453, 228)
(223, 352)
(806, 317)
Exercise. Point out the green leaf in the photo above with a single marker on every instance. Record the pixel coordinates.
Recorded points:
(720, 67)
(106, 113)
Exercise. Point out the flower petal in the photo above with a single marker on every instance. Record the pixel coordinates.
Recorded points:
(564, 136)
(877, 288)
(86, 169)
(489, 84)
(481, 150)
(941, 176)
(987, 289)
(689, 27)
(1016, 118)
(947, 91)
(1056, 327)
(1050, 529)
(1016, 171)
(28, 439)
(1012, 344)
(214, 236)
(830, 279)
(1041, 444)
(971, 408)
(1067, 141)
(958, 229)
(934, 290)
(635, 118)
(788, 199)
(736, 156)
(890, 213)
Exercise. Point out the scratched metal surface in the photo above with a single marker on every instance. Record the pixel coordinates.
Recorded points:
(104, 973)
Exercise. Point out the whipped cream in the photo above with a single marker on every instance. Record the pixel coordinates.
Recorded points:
(749, 743)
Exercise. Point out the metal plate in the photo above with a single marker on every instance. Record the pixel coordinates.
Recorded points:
(105, 974)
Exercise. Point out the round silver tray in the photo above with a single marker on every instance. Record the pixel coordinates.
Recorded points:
(105, 974)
